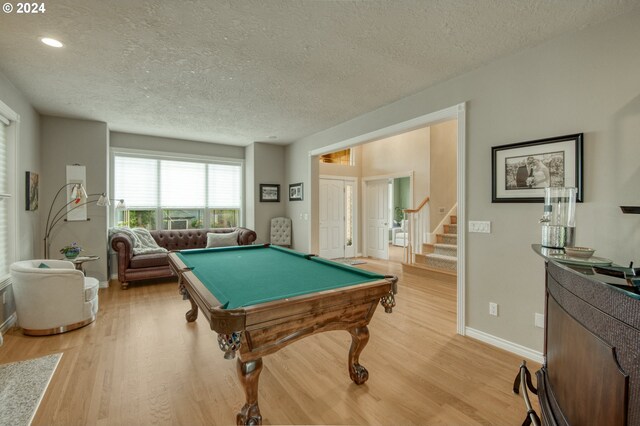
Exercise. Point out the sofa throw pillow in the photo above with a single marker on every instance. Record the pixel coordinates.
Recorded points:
(222, 240)
(44, 266)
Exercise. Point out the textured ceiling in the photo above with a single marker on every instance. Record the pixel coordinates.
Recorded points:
(240, 71)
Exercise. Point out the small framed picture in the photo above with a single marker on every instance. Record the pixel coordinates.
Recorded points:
(31, 191)
(295, 192)
(521, 171)
(269, 193)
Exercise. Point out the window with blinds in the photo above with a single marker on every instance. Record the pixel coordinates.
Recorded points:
(162, 193)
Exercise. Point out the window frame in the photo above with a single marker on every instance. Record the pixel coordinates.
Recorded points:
(171, 156)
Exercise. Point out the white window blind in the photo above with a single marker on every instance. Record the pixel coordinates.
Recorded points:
(148, 182)
(136, 181)
(182, 184)
(5, 251)
(224, 186)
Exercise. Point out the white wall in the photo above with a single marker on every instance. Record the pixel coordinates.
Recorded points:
(406, 152)
(582, 82)
(66, 141)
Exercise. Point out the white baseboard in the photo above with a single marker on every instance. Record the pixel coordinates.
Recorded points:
(104, 284)
(10, 322)
(505, 344)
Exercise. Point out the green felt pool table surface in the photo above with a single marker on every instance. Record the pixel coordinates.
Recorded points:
(243, 276)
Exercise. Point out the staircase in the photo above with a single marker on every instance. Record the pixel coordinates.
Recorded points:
(440, 259)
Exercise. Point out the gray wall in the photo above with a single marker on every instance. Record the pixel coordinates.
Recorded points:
(156, 143)
(67, 141)
(249, 187)
(28, 159)
(265, 164)
(28, 151)
(582, 82)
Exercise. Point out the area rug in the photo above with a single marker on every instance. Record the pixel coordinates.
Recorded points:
(350, 261)
(22, 386)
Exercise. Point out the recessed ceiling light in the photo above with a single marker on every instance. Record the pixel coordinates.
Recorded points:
(51, 42)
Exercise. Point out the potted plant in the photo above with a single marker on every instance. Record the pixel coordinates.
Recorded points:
(71, 251)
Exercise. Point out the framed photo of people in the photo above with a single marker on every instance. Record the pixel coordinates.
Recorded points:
(521, 171)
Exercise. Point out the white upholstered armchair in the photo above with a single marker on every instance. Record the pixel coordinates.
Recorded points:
(53, 299)
(399, 236)
(281, 231)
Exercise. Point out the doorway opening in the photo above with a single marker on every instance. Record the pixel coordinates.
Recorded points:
(457, 113)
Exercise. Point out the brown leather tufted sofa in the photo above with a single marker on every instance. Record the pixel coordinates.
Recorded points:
(156, 265)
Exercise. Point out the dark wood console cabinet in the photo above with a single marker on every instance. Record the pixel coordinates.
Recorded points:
(591, 369)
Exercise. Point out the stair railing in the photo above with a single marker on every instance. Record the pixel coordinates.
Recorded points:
(415, 238)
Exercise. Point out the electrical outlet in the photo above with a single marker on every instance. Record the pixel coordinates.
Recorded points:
(493, 309)
(441, 210)
(538, 320)
(483, 227)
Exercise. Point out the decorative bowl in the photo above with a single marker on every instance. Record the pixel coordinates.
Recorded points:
(581, 252)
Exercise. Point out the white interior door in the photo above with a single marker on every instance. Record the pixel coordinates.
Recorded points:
(332, 239)
(377, 219)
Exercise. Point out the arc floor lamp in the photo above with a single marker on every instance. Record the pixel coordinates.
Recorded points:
(79, 198)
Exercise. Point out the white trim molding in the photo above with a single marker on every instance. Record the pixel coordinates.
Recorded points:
(461, 115)
(7, 324)
(505, 344)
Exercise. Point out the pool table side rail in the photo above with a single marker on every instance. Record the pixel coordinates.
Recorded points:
(268, 327)
(226, 321)
(264, 338)
(306, 303)
(231, 320)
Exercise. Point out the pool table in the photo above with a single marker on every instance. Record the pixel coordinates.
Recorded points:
(261, 298)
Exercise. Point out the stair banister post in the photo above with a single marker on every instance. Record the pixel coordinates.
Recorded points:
(406, 243)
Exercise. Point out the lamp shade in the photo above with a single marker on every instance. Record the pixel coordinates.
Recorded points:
(121, 205)
(103, 200)
(78, 192)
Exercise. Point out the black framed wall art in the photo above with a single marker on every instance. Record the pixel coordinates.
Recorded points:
(295, 192)
(521, 171)
(269, 193)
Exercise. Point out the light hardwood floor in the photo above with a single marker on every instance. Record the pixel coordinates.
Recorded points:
(142, 363)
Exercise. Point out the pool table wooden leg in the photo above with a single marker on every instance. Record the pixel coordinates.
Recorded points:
(249, 373)
(359, 339)
(192, 314)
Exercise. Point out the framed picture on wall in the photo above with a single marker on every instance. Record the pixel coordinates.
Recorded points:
(31, 191)
(521, 171)
(295, 192)
(269, 193)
